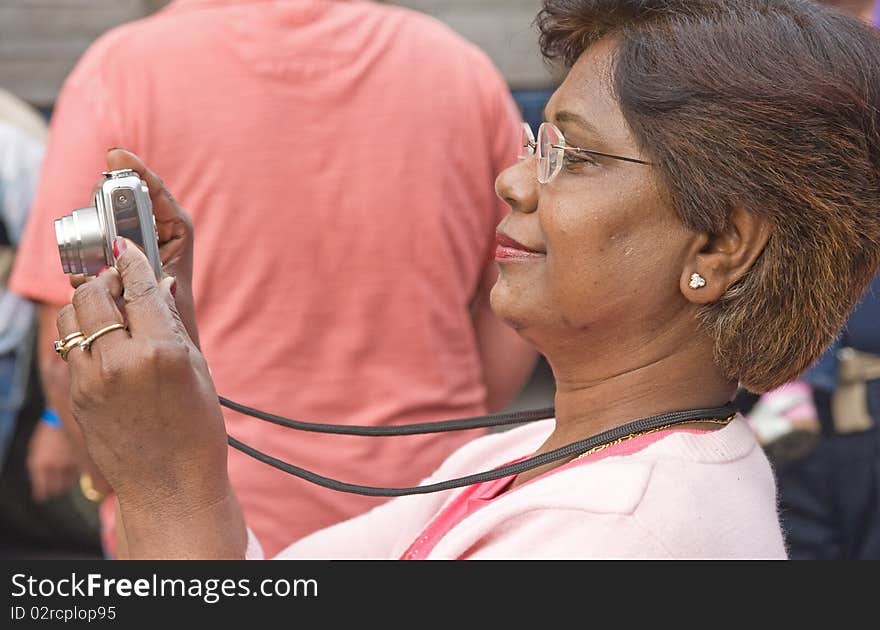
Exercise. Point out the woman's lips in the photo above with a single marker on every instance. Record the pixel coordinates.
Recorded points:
(510, 249)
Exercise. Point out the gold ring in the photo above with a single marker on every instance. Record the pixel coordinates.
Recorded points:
(70, 345)
(64, 346)
(73, 335)
(59, 344)
(86, 343)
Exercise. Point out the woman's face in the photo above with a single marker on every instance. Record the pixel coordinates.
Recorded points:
(609, 251)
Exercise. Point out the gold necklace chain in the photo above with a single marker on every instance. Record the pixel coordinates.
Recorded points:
(596, 449)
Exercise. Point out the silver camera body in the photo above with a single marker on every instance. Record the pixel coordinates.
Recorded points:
(122, 208)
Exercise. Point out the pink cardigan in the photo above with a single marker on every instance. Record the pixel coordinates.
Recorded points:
(695, 496)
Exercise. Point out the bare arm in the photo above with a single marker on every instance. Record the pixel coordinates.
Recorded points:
(148, 410)
(212, 531)
(507, 359)
(207, 531)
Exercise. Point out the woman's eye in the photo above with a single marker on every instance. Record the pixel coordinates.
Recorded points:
(575, 160)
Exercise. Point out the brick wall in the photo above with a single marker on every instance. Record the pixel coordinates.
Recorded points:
(503, 28)
(40, 40)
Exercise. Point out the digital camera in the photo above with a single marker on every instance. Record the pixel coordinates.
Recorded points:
(122, 208)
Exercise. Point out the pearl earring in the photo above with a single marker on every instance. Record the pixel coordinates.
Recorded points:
(697, 281)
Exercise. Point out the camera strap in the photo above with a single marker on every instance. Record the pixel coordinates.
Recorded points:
(462, 424)
(643, 425)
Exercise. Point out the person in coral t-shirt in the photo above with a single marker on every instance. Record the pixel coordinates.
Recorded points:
(355, 146)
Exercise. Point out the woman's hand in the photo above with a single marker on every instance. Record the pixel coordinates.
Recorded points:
(175, 232)
(149, 414)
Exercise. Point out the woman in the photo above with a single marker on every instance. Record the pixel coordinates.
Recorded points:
(702, 211)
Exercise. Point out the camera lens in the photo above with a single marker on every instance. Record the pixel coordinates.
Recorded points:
(82, 242)
(122, 208)
(123, 199)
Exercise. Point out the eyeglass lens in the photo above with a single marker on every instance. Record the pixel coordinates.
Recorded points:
(550, 155)
(527, 144)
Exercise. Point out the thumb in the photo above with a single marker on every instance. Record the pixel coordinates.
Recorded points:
(118, 159)
(164, 206)
(168, 289)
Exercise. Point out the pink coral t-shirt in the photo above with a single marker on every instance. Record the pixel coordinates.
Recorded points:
(476, 496)
(338, 160)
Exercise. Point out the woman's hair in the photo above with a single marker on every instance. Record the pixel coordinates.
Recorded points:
(769, 106)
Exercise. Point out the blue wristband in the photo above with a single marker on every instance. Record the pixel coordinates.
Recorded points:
(51, 418)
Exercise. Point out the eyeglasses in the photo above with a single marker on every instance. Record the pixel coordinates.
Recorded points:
(551, 149)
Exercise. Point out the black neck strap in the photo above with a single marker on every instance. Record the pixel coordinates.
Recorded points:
(571, 450)
(442, 426)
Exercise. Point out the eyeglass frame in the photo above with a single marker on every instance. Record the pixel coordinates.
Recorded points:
(532, 148)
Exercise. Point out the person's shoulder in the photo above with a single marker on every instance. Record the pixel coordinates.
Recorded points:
(418, 21)
(615, 485)
(426, 32)
(122, 45)
(732, 443)
(722, 479)
(680, 463)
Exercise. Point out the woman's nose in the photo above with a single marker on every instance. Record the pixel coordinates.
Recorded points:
(518, 186)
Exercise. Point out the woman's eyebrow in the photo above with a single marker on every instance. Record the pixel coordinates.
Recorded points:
(576, 119)
(570, 117)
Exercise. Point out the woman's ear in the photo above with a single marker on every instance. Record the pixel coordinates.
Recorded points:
(719, 260)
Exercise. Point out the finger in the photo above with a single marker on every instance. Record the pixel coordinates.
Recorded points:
(148, 305)
(67, 324)
(95, 305)
(77, 279)
(66, 321)
(164, 206)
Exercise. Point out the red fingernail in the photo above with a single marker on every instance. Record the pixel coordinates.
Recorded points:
(103, 269)
(174, 288)
(119, 246)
